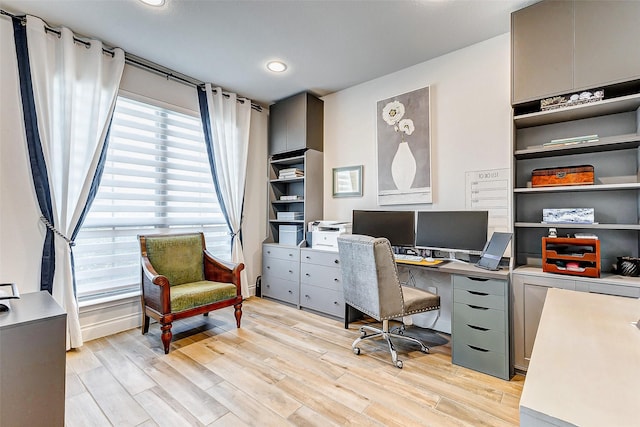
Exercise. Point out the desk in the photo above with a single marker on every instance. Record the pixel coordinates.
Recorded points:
(32, 362)
(474, 309)
(584, 369)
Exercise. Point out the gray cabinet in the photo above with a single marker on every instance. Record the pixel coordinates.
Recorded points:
(530, 287)
(321, 282)
(281, 273)
(32, 362)
(294, 201)
(296, 123)
(480, 326)
(541, 50)
(562, 46)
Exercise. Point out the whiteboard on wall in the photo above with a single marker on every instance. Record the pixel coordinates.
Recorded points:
(488, 190)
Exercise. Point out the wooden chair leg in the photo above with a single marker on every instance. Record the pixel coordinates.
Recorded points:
(145, 322)
(166, 337)
(238, 313)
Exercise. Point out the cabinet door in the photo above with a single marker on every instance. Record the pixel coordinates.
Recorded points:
(296, 112)
(542, 50)
(534, 296)
(277, 128)
(606, 42)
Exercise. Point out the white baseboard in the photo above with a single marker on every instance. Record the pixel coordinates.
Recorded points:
(108, 318)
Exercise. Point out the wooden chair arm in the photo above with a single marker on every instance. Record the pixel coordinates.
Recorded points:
(155, 288)
(218, 270)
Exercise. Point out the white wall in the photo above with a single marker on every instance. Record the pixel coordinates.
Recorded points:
(470, 121)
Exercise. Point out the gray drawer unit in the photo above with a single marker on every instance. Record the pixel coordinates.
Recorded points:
(283, 290)
(322, 300)
(321, 276)
(480, 326)
(321, 282)
(281, 273)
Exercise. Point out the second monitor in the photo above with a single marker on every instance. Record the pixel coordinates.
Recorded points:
(397, 226)
(452, 231)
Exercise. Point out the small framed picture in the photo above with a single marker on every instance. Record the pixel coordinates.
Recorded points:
(347, 181)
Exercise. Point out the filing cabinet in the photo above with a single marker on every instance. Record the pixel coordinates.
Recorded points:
(281, 273)
(480, 326)
(321, 282)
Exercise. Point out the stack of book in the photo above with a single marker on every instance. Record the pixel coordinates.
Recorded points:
(291, 197)
(290, 173)
(289, 216)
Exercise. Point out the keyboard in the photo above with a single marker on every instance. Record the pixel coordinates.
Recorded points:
(404, 257)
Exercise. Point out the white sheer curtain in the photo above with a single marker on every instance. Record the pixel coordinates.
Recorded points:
(229, 123)
(74, 89)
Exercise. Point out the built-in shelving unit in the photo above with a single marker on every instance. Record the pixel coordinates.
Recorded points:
(307, 188)
(615, 195)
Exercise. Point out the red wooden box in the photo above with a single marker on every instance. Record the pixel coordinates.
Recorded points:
(566, 175)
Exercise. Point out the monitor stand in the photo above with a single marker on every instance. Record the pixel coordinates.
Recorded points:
(451, 257)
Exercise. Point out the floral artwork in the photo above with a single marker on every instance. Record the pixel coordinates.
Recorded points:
(404, 158)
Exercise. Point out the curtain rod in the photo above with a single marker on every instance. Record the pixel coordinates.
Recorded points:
(138, 62)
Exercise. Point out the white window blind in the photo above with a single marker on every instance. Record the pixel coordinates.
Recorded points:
(156, 179)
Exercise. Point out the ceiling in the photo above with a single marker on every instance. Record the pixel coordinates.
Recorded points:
(329, 45)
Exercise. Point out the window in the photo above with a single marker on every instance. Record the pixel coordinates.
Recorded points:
(156, 179)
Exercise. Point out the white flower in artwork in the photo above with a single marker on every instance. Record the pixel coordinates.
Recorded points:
(393, 112)
(406, 126)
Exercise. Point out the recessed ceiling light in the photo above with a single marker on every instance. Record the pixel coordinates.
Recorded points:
(153, 2)
(276, 66)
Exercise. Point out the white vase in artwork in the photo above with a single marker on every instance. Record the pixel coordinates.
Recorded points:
(403, 167)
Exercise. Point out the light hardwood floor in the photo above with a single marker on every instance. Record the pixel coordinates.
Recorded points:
(283, 367)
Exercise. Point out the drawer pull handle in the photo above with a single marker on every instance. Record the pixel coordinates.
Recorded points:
(269, 252)
(290, 291)
(268, 286)
(307, 274)
(478, 279)
(335, 302)
(290, 271)
(477, 348)
(476, 307)
(337, 261)
(482, 294)
(307, 296)
(336, 280)
(477, 327)
(307, 257)
(290, 254)
(268, 267)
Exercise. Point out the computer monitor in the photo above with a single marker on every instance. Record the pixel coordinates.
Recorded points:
(397, 226)
(452, 231)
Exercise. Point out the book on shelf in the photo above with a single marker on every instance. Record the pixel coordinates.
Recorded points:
(572, 140)
(292, 197)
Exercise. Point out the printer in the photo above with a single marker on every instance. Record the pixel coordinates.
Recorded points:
(324, 234)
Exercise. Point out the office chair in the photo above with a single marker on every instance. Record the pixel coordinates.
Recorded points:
(371, 285)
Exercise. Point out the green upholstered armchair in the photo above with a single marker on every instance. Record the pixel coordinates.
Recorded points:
(180, 278)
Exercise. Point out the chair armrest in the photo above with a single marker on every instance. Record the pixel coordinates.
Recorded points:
(155, 288)
(218, 270)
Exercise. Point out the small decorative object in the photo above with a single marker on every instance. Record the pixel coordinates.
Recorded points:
(628, 266)
(347, 181)
(564, 175)
(7, 291)
(568, 216)
(572, 140)
(553, 232)
(564, 101)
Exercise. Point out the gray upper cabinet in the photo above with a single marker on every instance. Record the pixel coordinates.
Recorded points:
(541, 50)
(296, 123)
(607, 48)
(563, 46)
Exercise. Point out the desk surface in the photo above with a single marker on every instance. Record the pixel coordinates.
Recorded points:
(584, 369)
(462, 268)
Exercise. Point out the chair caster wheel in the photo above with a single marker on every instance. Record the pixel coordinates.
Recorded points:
(399, 364)
(356, 351)
(363, 333)
(424, 350)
